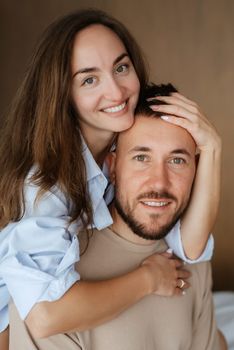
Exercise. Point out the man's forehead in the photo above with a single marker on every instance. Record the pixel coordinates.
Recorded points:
(151, 132)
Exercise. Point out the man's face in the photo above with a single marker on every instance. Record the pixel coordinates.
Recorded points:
(153, 173)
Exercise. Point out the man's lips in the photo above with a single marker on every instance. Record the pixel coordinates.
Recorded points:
(159, 197)
(156, 204)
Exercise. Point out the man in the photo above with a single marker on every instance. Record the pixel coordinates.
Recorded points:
(153, 181)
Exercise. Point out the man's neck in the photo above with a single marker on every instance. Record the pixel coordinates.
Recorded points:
(120, 228)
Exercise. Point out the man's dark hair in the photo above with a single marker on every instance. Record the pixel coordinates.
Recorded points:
(151, 92)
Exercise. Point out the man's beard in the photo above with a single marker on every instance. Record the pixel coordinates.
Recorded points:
(155, 233)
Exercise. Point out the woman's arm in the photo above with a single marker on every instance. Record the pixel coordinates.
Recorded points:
(200, 216)
(88, 304)
(4, 340)
(43, 282)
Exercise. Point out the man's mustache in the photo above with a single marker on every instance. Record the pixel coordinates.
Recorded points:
(156, 195)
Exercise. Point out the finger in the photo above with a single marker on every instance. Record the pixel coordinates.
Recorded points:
(180, 109)
(191, 125)
(186, 285)
(167, 254)
(174, 100)
(169, 250)
(179, 292)
(180, 100)
(181, 112)
(184, 98)
(178, 264)
(182, 284)
(180, 121)
(173, 110)
(183, 274)
(203, 134)
(177, 95)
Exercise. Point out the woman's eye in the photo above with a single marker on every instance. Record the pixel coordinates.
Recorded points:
(89, 81)
(122, 68)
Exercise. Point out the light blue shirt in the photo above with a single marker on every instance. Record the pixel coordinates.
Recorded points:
(39, 252)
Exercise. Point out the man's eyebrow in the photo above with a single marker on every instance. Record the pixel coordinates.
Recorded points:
(139, 149)
(181, 151)
(148, 149)
(96, 69)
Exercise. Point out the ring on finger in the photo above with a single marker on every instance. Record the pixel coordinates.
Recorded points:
(181, 283)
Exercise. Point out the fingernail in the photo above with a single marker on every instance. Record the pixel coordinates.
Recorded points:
(154, 107)
(164, 117)
(169, 250)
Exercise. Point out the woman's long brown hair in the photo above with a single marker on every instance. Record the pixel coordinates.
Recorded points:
(42, 127)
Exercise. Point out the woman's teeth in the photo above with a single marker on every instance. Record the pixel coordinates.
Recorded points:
(115, 109)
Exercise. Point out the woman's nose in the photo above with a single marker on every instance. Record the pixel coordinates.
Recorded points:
(113, 90)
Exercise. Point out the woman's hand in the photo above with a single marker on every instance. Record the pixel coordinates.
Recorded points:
(183, 112)
(4, 340)
(166, 274)
(199, 218)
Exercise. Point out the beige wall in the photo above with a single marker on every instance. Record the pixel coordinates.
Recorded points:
(187, 42)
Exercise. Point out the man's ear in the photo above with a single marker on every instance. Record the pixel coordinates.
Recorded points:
(110, 162)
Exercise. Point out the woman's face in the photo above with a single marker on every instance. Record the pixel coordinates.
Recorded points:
(105, 86)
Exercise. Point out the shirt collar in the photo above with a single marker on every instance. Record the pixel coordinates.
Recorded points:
(92, 169)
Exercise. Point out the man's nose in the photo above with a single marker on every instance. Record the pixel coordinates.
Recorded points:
(158, 178)
(113, 90)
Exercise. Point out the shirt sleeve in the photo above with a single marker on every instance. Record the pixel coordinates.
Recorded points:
(4, 300)
(174, 241)
(38, 253)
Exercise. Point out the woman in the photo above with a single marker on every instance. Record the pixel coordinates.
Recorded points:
(81, 88)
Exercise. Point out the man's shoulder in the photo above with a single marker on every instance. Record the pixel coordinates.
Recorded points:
(201, 276)
(203, 267)
(88, 237)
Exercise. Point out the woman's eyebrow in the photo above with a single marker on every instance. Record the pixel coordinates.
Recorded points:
(120, 57)
(96, 69)
(86, 70)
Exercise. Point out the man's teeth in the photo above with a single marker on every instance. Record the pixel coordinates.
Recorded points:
(115, 109)
(155, 204)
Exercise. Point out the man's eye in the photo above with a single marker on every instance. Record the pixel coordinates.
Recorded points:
(178, 161)
(141, 158)
(122, 68)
